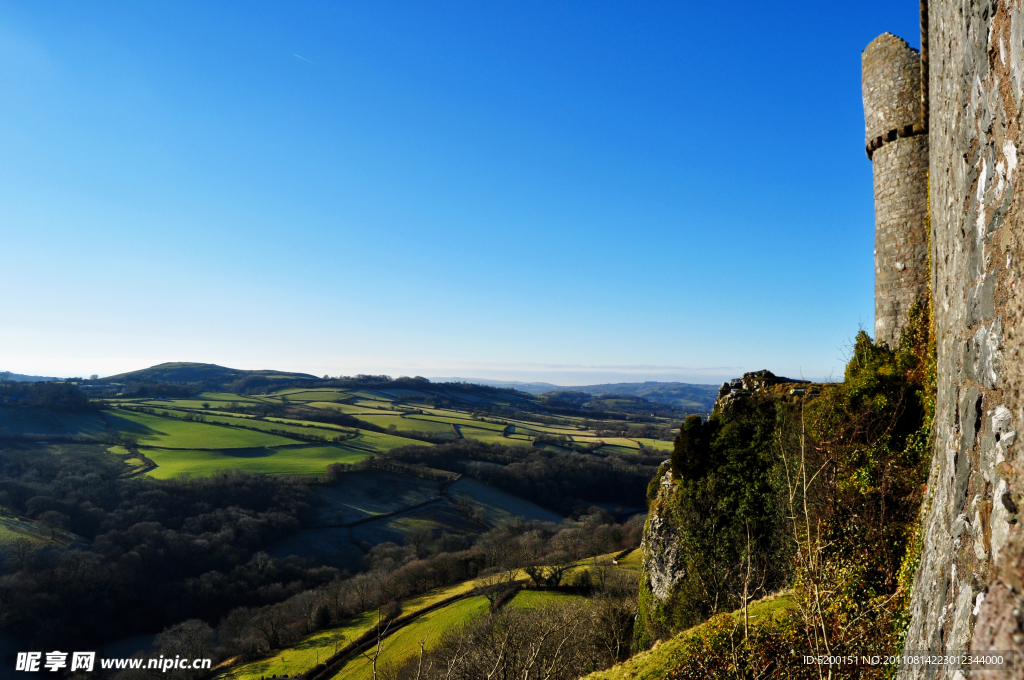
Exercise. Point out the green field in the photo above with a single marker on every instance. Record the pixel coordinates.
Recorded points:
(325, 394)
(531, 431)
(548, 429)
(657, 444)
(304, 655)
(633, 560)
(411, 423)
(174, 433)
(295, 459)
(214, 399)
(466, 422)
(531, 599)
(404, 644)
(255, 443)
(321, 645)
(351, 409)
(618, 449)
(492, 437)
(298, 427)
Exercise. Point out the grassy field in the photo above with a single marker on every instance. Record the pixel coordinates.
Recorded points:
(531, 599)
(409, 423)
(491, 437)
(531, 431)
(657, 444)
(256, 443)
(296, 459)
(18, 421)
(465, 422)
(383, 442)
(280, 425)
(321, 645)
(325, 394)
(548, 429)
(633, 560)
(212, 398)
(352, 409)
(174, 433)
(618, 449)
(404, 644)
(304, 655)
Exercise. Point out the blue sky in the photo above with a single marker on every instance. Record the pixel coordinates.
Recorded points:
(568, 192)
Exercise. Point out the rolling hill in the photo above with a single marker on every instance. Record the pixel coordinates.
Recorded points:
(209, 375)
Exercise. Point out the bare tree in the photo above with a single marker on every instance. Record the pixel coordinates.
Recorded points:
(23, 549)
(269, 625)
(383, 624)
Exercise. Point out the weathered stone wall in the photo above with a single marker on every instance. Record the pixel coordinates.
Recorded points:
(901, 237)
(969, 584)
(891, 85)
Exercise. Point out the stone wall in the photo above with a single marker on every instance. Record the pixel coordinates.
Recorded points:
(969, 584)
(901, 236)
(893, 127)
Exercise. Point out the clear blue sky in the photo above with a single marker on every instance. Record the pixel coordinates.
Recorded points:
(570, 192)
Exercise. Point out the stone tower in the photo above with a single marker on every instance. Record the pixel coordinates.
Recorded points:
(895, 122)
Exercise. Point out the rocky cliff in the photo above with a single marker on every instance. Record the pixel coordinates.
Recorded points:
(711, 506)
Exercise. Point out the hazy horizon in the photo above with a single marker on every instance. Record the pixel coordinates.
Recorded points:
(564, 377)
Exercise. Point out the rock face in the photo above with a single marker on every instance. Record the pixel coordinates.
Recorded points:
(968, 589)
(661, 563)
(752, 383)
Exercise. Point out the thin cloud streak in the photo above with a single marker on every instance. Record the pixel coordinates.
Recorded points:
(302, 58)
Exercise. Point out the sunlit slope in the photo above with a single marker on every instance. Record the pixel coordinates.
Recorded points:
(657, 662)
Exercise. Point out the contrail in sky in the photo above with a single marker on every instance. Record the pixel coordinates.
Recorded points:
(302, 58)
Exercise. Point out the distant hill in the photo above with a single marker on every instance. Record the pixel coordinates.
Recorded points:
(685, 395)
(696, 398)
(210, 376)
(18, 377)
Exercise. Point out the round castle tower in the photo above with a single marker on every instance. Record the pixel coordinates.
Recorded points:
(897, 143)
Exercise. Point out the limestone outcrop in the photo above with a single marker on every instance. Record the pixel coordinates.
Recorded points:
(662, 567)
(755, 382)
